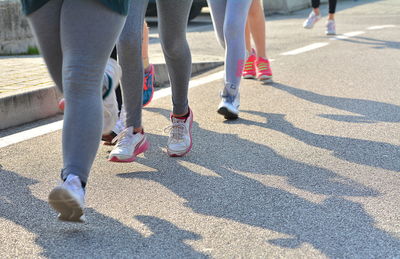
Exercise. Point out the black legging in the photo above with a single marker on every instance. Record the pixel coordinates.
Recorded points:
(332, 5)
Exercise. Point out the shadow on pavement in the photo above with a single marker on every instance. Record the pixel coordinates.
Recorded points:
(102, 237)
(369, 111)
(374, 43)
(336, 227)
(364, 152)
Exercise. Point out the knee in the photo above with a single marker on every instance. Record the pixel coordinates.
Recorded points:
(173, 47)
(82, 77)
(233, 30)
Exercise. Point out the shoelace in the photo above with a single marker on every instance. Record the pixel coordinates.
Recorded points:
(263, 66)
(123, 137)
(249, 66)
(176, 131)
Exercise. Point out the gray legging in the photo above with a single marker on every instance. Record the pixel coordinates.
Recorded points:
(229, 19)
(173, 16)
(76, 38)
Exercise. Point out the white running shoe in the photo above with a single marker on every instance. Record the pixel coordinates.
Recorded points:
(311, 20)
(330, 27)
(69, 199)
(180, 135)
(229, 106)
(113, 73)
(128, 146)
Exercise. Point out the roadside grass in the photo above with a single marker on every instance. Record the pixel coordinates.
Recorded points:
(30, 51)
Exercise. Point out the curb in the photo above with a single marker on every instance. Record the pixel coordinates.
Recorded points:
(32, 105)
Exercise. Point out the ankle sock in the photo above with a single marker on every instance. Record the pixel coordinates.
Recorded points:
(183, 117)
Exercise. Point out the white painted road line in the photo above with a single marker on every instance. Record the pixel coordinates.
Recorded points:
(48, 128)
(348, 35)
(381, 27)
(305, 49)
(31, 133)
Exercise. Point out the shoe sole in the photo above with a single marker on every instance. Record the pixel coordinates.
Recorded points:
(249, 77)
(175, 154)
(69, 208)
(265, 79)
(142, 148)
(312, 25)
(227, 114)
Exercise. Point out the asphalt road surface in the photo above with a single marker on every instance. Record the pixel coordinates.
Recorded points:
(310, 170)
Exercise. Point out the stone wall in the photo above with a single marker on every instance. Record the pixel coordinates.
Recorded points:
(15, 34)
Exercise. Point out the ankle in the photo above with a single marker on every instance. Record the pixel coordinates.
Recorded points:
(147, 69)
(146, 63)
(185, 115)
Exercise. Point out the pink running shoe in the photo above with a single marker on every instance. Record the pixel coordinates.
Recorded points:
(148, 86)
(249, 70)
(61, 104)
(264, 72)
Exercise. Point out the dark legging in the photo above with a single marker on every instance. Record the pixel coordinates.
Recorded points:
(332, 5)
(173, 16)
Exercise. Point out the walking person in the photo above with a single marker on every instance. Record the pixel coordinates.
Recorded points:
(257, 65)
(315, 16)
(148, 88)
(76, 38)
(229, 20)
(173, 17)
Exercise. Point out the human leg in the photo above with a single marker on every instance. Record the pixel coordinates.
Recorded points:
(233, 31)
(84, 54)
(45, 24)
(314, 16)
(149, 73)
(257, 27)
(249, 70)
(173, 17)
(129, 49)
(131, 139)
